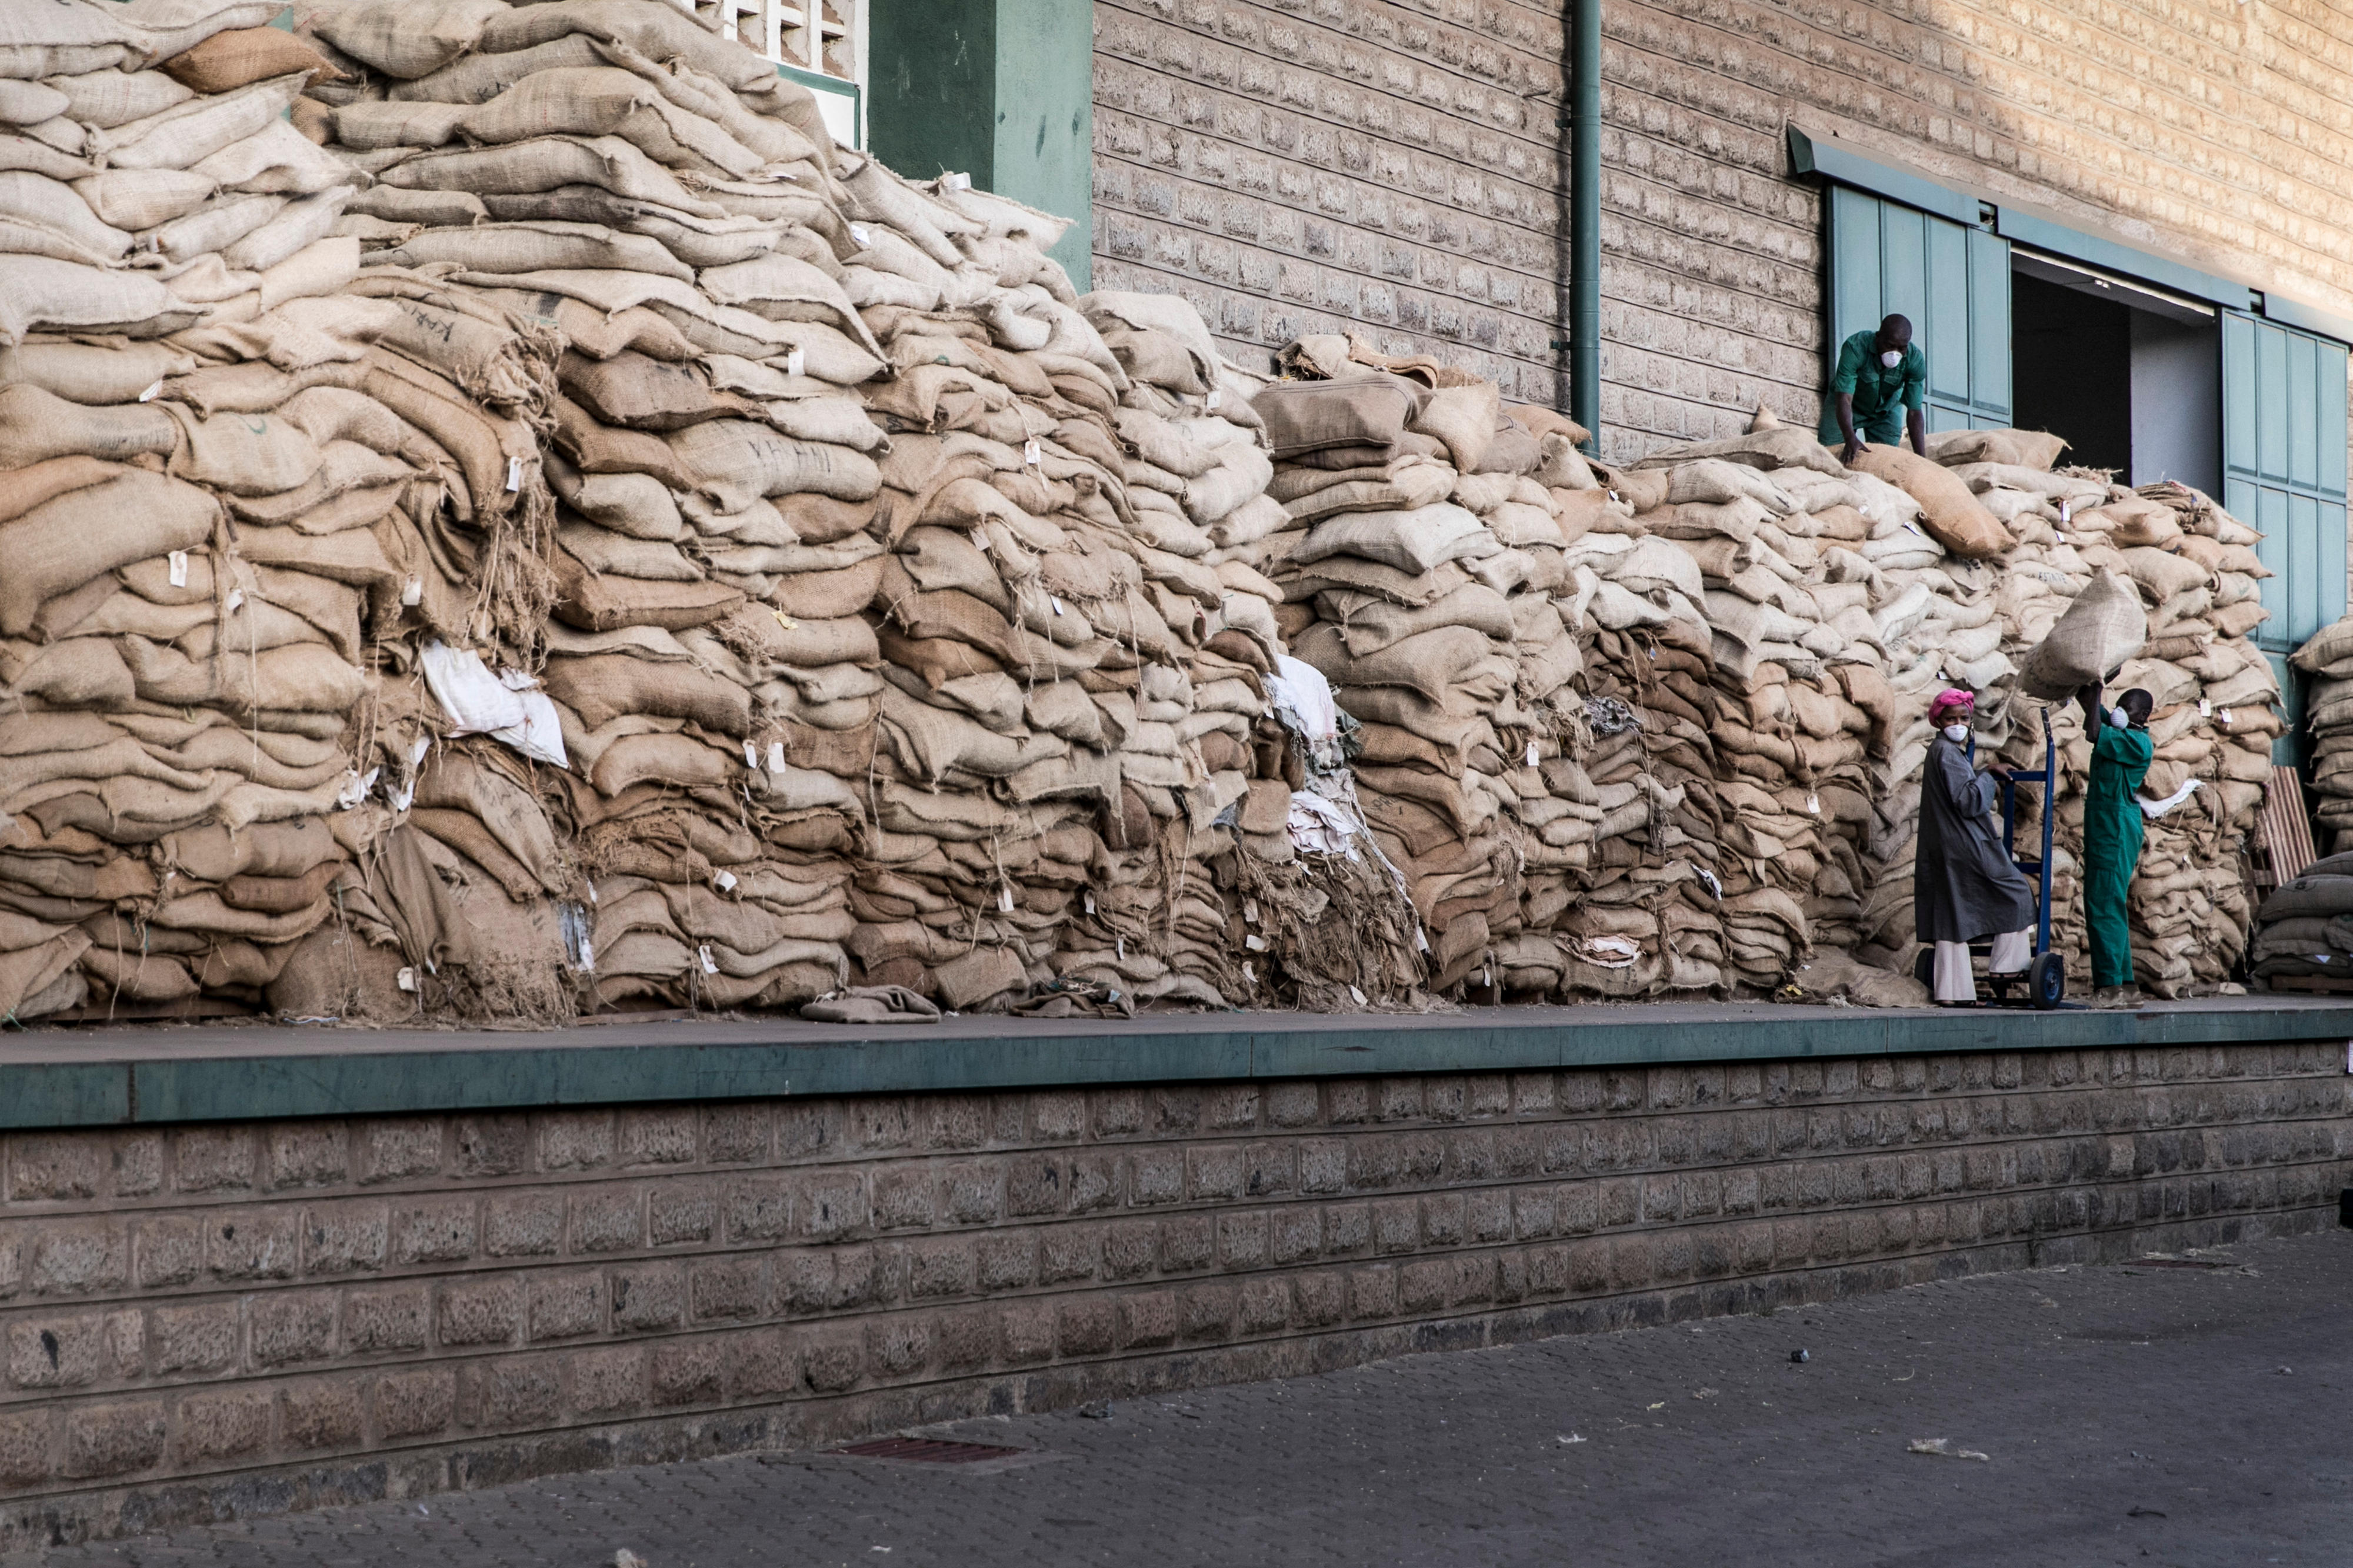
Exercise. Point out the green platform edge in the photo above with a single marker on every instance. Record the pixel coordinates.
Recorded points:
(351, 1079)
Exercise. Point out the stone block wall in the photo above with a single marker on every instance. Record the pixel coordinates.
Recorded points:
(1300, 165)
(1322, 165)
(214, 1319)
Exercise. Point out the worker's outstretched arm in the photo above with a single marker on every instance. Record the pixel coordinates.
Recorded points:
(1918, 425)
(1854, 448)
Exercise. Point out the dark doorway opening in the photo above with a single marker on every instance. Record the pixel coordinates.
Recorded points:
(2130, 376)
(2070, 370)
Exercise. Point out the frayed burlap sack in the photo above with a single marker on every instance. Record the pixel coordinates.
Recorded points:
(229, 60)
(185, 135)
(64, 542)
(23, 488)
(2103, 628)
(734, 461)
(1412, 541)
(40, 291)
(657, 32)
(2023, 448)
(1785, 448)
(549, 164)
(1954, 517)
(406, 38)
(140, 199)
(1464, 418)
(604, 685)
(1317, 415)
(89, 375)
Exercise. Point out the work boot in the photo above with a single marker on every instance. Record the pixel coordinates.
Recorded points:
(2115, 998)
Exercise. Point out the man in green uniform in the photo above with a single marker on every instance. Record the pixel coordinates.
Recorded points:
(1881, 380)
(2112, 828)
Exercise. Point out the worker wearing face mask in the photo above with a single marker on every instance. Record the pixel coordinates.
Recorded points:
(1964, 888)
(2113, 828)
(1881, 380)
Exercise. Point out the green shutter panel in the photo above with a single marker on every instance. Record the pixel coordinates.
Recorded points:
(2283, 443)
(2284, 468)
(1951, 279)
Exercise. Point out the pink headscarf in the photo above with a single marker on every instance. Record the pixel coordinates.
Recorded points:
(1952, 697)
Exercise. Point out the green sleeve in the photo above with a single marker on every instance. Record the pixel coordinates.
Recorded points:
(1915, 378)
(1850, 367)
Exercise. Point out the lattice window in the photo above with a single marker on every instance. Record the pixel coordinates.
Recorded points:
(821, 42)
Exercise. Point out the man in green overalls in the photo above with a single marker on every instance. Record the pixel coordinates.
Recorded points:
(2113, 828)
(1881, 380)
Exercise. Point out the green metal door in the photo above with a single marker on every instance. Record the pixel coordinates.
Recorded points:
(1951, 279)
(2283, 443)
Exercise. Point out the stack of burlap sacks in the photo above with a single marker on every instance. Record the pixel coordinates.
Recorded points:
(503, 515)
(2304, 927)
(1419, 552)
(2194, 571)
(884, 652)
(2328, 660)
(1732, 781)
(239, 492)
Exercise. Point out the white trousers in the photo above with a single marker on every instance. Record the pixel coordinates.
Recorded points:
(2011, 952)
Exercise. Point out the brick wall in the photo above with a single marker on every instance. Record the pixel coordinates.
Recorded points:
(1312, 165)
(228, 1319)
(1299, 164)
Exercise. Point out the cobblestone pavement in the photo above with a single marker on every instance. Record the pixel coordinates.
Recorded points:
(2197, 1413)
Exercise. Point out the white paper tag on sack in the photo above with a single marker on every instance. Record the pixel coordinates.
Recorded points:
(956, 182)
(980, 541)
(1056, 603)
(1531, 754)
(1813, 806)
(776, 757)
(752, 755)
(152, 393)
(2205, 708)
(2066, 512)
(1250, 910)
(514, 474)
(1254, 942)
(178, 564)
(236, 598)
(797, 363)
(726, 881)
(710, 964)
(412, 592)
(1358, 994)
(1119, 946)
(408, 980)
(2225, 715)
(1005, 901)
(1217, 394)
(1090, 900)
(860, 236)
(592, 892)
(1031, 453)
(1247, 978)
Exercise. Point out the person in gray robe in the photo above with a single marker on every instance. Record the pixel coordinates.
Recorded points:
(1964, 888)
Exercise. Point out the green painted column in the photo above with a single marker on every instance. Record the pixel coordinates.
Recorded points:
(1000, 89)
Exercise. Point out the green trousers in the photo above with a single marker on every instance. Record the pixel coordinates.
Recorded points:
(2107, 881)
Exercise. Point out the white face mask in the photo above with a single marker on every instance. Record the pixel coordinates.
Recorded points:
(1891, 359)
(2119, 717)
(1956, 733)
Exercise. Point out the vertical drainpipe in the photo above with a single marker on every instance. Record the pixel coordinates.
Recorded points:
(1583, 47)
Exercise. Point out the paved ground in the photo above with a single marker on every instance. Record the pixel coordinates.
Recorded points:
(2142, 1415)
